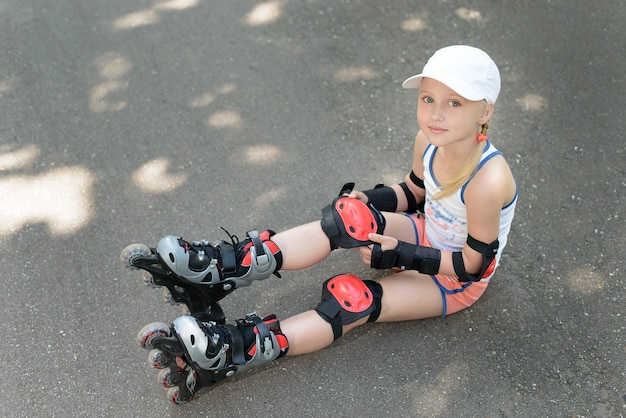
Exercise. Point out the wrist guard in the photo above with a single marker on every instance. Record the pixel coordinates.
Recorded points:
(382, 198)
(407, 257)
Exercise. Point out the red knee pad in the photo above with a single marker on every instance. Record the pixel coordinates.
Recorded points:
(347, 222)
(346, 299)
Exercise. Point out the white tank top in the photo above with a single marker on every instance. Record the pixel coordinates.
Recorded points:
(446, 218)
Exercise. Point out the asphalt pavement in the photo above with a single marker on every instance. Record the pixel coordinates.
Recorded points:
(124, 121)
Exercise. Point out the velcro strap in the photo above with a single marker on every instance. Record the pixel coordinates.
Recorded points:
(377, 294)
(228, 257)
(427, 260)
(488, 250)
(329, 311)
(410, 198)
(416, 180)
(459, 268)
(408, 257)
(330, 227)
(382, 259)
(237, 349)
(346, 188)
(265, 336)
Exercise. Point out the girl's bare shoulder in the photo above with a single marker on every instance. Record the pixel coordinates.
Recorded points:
(494, 182)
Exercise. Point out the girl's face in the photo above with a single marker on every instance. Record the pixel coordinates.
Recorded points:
(445, 117)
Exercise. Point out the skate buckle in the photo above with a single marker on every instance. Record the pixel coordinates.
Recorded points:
(268, 348)
(262, 260)
(213, 264)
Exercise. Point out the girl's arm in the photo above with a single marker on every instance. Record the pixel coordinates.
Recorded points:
(491, 189)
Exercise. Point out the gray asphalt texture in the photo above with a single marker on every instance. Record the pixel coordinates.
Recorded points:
(124, 121)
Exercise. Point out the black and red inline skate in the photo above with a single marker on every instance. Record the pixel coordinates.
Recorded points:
(192, 354)
(200, 274)
(198, 350)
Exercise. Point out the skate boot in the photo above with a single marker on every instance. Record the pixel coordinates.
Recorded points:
(193, 354)
(200, 274)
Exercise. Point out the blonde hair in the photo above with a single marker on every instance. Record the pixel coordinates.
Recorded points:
(467, 170)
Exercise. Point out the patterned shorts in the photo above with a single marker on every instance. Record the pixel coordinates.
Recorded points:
(455, 295)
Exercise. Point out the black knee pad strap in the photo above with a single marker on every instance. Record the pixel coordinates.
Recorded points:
(346, 299)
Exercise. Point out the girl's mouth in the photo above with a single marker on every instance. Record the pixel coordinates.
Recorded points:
(436, 130)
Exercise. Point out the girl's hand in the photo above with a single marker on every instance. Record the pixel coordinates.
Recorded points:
(355, 194)
(386, 243)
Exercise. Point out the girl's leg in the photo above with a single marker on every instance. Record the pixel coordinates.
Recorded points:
(400, 226)
(409, 295)
(214, 352)
(307, 332)
(302, 246)
(406, 296)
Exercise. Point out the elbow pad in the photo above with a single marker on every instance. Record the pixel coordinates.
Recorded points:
(407, 257)
(488, 252)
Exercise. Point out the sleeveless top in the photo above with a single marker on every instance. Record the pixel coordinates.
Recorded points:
(446, 218)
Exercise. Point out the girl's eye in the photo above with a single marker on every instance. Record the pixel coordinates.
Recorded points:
(454, 103)
(427, 99)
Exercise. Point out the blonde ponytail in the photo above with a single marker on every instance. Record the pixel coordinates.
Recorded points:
(467, 170)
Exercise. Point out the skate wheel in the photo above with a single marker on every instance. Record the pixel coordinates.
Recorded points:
(148, 332)
(148, 280)
(184, 310)
(165, 377)
(158, 359)
(128, 254)
(176, 397)
(167, 297)
(171, 299)
(180, 363)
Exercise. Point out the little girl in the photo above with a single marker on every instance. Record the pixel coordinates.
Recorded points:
(442, 232)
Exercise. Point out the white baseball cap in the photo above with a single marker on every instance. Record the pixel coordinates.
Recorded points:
(467, 70)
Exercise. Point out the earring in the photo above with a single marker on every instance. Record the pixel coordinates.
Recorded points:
(481, 137)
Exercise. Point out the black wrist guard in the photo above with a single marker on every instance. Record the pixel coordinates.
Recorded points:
(383, 198)
(407, 257)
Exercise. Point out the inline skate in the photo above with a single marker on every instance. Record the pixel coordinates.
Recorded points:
(193, 354)
(200, 274)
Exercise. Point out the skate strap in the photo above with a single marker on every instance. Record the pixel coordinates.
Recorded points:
(261, 258)
(228, 257)
(237, 351)
(265, 336)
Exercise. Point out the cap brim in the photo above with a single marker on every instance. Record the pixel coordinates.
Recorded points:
(413, 82)
(453, 83)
